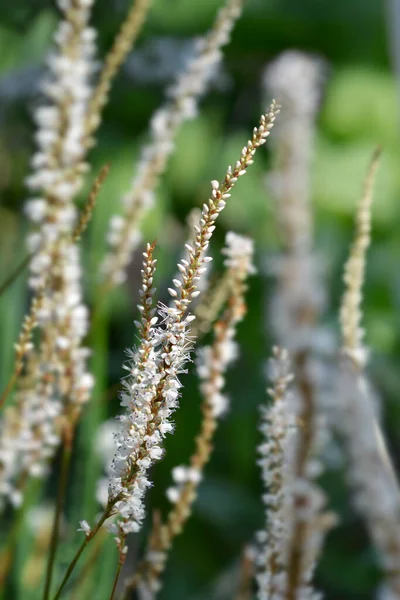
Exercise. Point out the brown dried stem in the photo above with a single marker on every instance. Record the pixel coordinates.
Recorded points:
(87, 212)
(122, 45)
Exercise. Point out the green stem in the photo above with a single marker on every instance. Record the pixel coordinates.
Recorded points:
(80, 550)
(117, 574)
(15, 274)
(81, 583)
(62, 487)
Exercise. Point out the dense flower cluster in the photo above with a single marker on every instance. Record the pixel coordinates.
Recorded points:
(57, 369)
(278, 428)
(292, 527)
(213, 363)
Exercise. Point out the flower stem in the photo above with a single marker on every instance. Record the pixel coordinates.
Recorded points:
(8, 388)
(117, 574)
(17, 271)
(80, 550)
(62, 487)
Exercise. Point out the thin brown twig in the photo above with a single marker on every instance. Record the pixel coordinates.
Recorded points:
(90, 205)
(23, 346)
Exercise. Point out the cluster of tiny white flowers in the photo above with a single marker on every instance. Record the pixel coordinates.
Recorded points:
(139, 444)
(58, 162)
(182, 475)
(278, 428)
(278, 463)
(295, 79)
(214, 360)
(184, 96)
(58, 168)
(55, 270)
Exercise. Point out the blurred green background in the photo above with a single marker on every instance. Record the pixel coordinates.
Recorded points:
(359, 109)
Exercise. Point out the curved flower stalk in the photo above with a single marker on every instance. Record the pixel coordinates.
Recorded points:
(182, 105)
(376, 492)
(213, 362)
(287, 561)
(153, 389)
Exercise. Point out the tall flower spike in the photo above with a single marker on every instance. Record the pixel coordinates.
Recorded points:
(294, 534)
(298, 303)
(372, 477)
(214, 361)
(182, 105)
(66, 126)
(152, 391)
(57, 372)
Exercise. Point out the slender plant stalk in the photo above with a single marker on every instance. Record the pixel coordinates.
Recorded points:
(121, 561)
(114, 588)
(305, 447)
(107, 513)
(16, 273)
(79, 586)
(62, 488)
(87, 212)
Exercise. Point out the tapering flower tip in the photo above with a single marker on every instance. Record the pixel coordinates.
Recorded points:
(354, 271)
(190, 268)
(296, 79)
(147, 291)
(239, 251)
